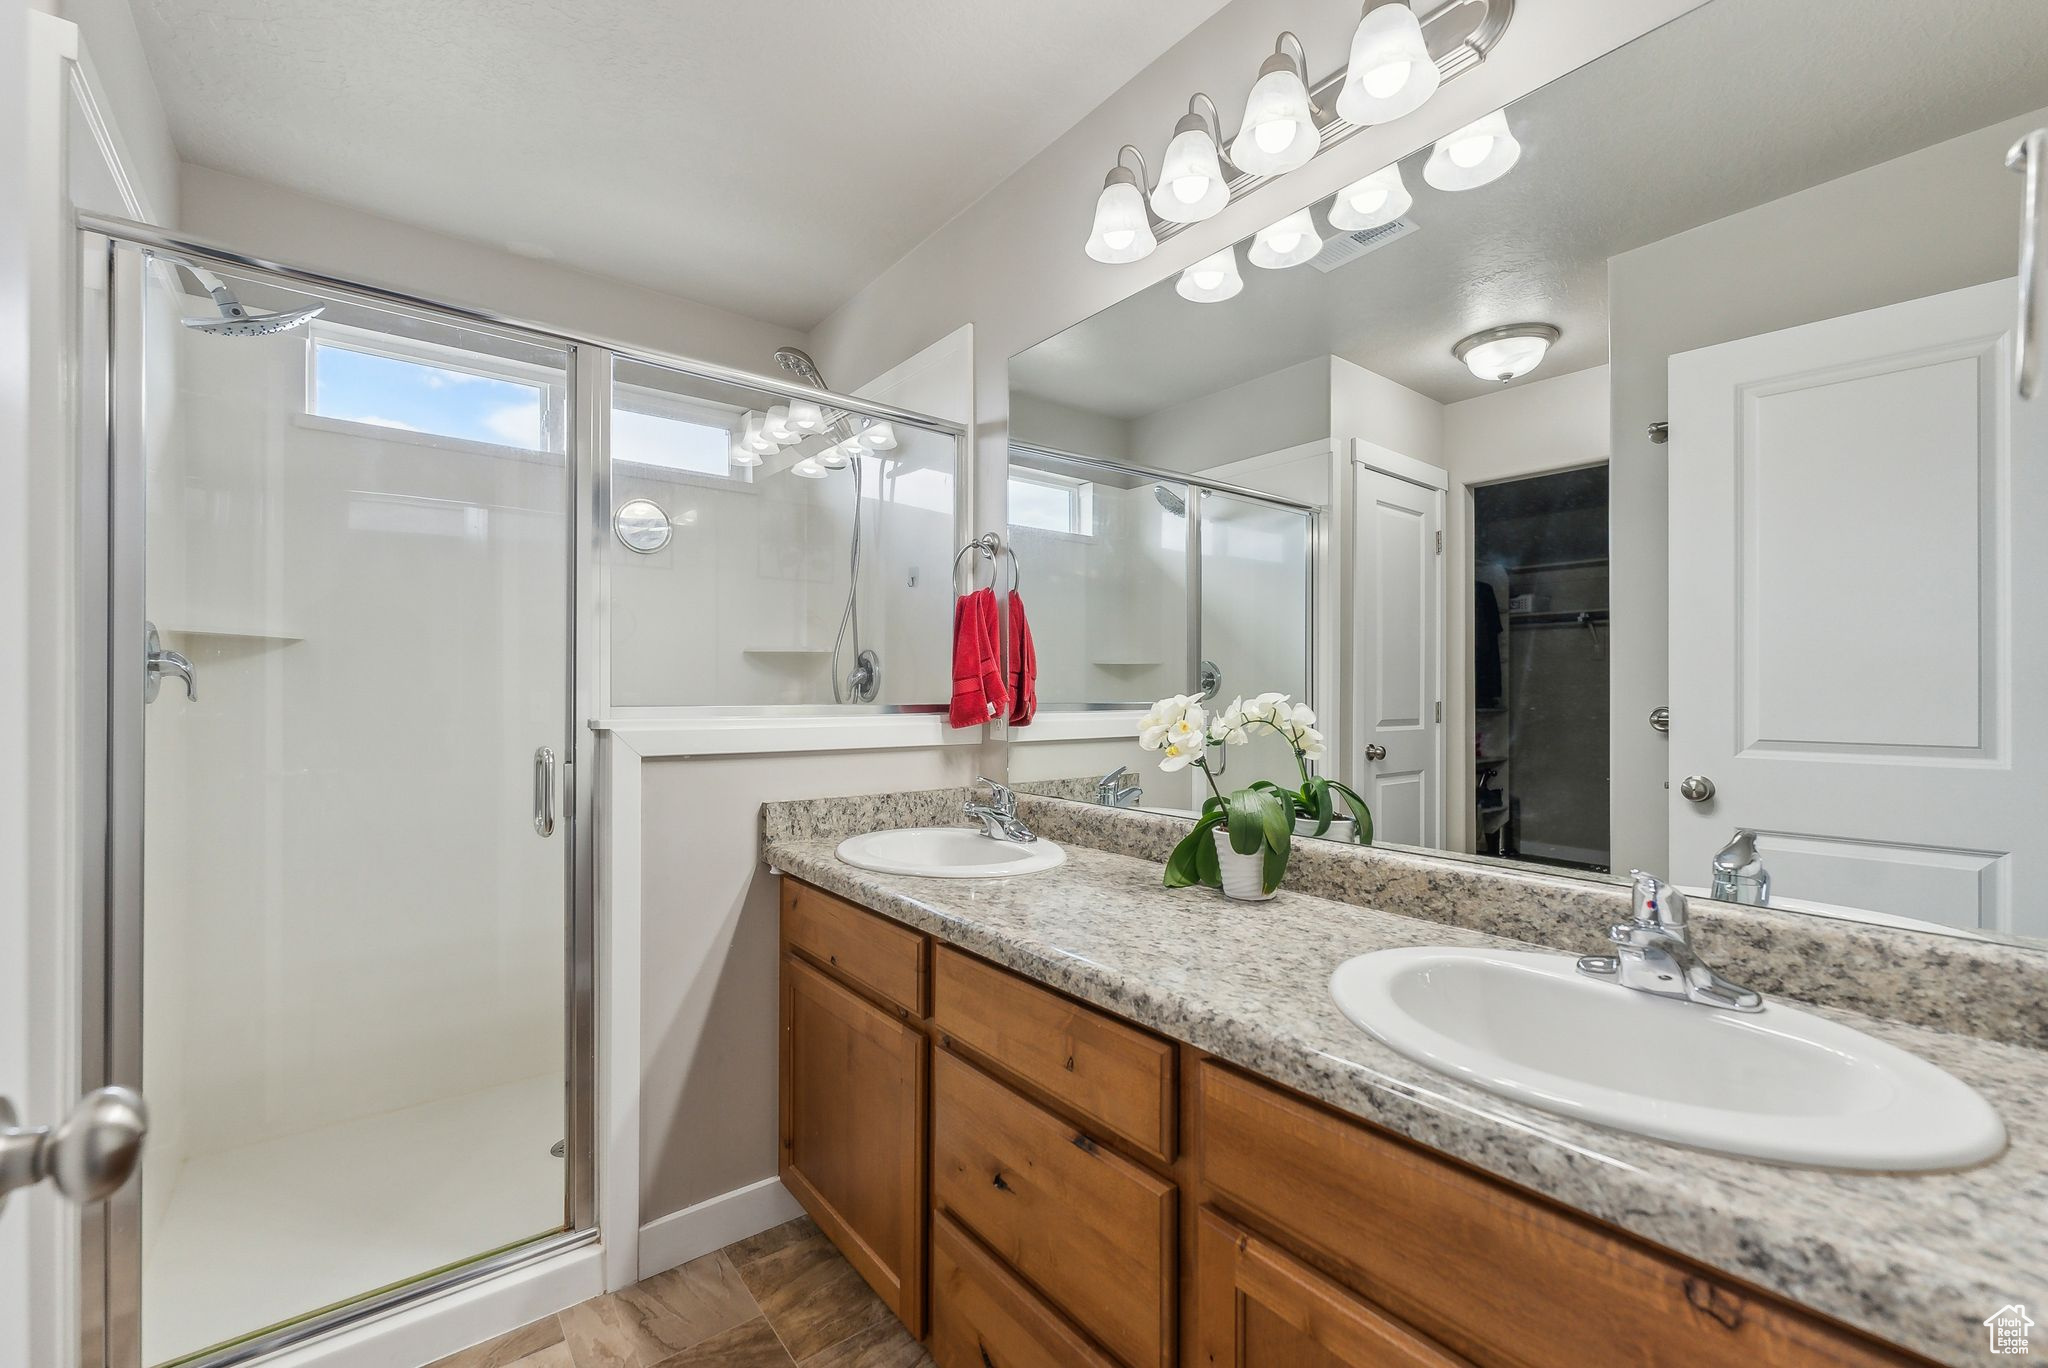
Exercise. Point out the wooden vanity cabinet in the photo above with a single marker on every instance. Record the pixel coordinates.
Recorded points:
(1050, 1185)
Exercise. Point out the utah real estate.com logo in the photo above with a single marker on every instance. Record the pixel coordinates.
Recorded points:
(2008, 1328)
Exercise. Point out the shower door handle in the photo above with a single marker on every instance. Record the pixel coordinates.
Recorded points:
(157, 662)
(544, 791)
(88, 1155)
(2026, 157)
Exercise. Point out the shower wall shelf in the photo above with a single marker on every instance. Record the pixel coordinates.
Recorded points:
(279, 635)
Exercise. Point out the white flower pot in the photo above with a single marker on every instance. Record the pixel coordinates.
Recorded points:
(1244, 876)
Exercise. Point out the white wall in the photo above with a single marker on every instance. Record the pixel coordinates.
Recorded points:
(1530, 429)
(283, 225)
(1038, 421)
(1828, 250)
(1283, 408)
(1368, 406)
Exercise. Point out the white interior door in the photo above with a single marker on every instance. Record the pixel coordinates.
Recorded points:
(1397, 636)
(1857, 655)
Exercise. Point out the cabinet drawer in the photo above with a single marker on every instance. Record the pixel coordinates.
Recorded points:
(984, 1318)
(869, 951)
(1117, 1076)
(1091, 1230)
(1498, 1276)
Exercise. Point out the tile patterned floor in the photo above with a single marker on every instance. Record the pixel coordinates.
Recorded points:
(781, 1298)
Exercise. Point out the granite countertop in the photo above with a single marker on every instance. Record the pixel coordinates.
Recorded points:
(1918, 1260)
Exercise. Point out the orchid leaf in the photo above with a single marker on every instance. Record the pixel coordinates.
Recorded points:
(1184, 865)
(1247, 820)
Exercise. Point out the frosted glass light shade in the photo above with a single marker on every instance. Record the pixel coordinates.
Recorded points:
(1289, 242)
(877, 437)
(1480, 152)
(1507, 353)
(1391, 72)
(755, 439)
(1279, 128)
(1211, 280)
(738, 455)
(834, 457)
(809, 469)
(777, 427)
(1191, 186)
(806, 416)
(1371, 200)
(1121, 232)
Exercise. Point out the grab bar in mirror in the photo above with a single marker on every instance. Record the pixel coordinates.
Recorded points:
(2026, 157)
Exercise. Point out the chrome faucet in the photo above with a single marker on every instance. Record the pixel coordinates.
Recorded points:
(1654, 954)
(998, 815)
(1118, 789)
(1739, 873)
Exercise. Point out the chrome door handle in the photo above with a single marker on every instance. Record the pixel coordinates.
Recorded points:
(2026, 157)
(89, 1155)
(544, 791)
(1375, 751)
(1696, 788)
(157, 662)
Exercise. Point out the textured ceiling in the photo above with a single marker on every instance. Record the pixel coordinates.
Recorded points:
(767, 156)
(1735, 104)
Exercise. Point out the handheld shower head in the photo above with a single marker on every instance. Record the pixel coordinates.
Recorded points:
(236, 321)
(1170, 501)
(798, 362)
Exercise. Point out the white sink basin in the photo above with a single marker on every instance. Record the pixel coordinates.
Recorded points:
(947, 853)
(1779, 1085)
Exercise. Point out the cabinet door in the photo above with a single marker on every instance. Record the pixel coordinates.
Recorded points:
(1257, 1306)
(853, 1100)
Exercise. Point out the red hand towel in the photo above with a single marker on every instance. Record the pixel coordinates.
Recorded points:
(1023, 666)
(977, 680)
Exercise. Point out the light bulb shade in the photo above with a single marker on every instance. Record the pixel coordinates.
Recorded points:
(776, 427)
(809, 469)
(1391, 72)
(1480, 152)
(1122, 232)
(877, 437)
(1191, 186)
(1278, 132)
(1289, 242)
(1211, 280)
(835, 457)
(806, 416)
(740, 456)
(1507, 353)
(1371, 201)
(755, 441)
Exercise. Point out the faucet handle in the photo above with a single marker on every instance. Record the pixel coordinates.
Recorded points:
(1001, 797)
(1656, 903)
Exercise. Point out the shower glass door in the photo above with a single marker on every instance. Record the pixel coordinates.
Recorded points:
(1254, 588)
(340, 690)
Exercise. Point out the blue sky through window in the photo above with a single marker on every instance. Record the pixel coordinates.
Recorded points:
(418, 396)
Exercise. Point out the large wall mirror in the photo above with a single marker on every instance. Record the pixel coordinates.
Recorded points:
(1658, 497)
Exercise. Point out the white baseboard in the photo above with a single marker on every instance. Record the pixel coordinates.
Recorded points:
(439, 1327)
(681, 1236)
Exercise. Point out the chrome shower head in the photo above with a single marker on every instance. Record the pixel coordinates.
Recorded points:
(1170, 501)
(236, 321)
(798, 362)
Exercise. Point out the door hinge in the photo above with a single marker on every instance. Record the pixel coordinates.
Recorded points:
(1439, 710)
(1439, 543)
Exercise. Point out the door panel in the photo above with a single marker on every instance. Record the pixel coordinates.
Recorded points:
(1845, 636)
(1398, 620)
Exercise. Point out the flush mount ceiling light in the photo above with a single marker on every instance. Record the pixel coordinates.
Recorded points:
(1191, 184)
(1480, 152)
(1122, 231)
(1211, 280)
(1506, 353)
(1289, 242)
(1391, 72)
(1371, 201)
(1278, 132)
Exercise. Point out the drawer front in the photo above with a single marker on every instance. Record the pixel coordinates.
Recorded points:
(1490, 1273)
(1117, 1076)
(1091, 1230)
(982, 1317)
(872, 952)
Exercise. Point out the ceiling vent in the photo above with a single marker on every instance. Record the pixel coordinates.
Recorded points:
(1346, 248)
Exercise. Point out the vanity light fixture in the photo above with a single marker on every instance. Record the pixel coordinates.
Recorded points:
(836, 456)
(1122, 231)
(1211, 280)
(1480, 152)
(1391, 72)
(1371, 201)
(1506, 353)
(777, 428)
(1191, 182)
(738, 455)
(754, 440)
(809, 469)
(806, 416)
(1289, 242)
(877, 437)
(1278, 132)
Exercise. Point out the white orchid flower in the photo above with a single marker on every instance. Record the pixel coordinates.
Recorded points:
(1311, 744)
(1267, 707)
(1230, 727)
